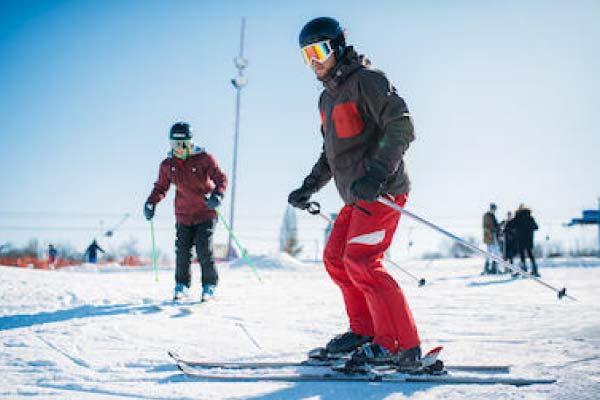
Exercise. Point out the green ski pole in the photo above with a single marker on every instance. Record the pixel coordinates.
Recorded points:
(153, 250)
(244, 254)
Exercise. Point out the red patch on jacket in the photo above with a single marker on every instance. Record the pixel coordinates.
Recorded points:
(348, 122)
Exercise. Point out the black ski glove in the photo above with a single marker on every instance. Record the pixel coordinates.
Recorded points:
(214, 200)
(299, 198)
(370, 186)
(149, 210)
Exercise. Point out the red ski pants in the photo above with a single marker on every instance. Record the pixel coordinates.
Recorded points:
(374, 302)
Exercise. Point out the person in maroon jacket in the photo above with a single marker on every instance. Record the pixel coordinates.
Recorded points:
(200, 186)
(366, 129)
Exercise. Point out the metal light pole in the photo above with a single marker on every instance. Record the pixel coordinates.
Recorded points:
(238, 83)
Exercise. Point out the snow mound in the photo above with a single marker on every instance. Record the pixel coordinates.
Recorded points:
(282, 261)
(86, 267)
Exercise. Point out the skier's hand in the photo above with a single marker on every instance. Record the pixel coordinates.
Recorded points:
(299, 198)
(149, 210)
(214, 200)
(370, 186)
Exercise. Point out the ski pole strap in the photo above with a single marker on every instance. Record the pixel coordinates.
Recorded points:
(314, 208)
(560, 292)
(364, 210)
(242, 250)
(153, 250)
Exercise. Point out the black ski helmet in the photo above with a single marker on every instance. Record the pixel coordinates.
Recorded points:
(180, 131)
(324, 28)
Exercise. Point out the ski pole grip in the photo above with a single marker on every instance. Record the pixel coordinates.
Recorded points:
(314, 208)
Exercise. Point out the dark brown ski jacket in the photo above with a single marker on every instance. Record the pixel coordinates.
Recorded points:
(362, 119)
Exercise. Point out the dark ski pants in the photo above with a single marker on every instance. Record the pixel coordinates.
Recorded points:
(199, 235)
(375, 304)
(522, 252)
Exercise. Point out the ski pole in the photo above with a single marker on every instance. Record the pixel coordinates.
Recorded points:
(244, 254)
(153, 250)
(560, 292)
(110, 232)
(314, 208)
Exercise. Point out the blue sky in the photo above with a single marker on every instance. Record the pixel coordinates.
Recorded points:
(503, 94)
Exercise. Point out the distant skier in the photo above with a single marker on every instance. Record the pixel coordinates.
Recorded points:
(509, 234)
(525, 225)
(92, 252)
(51, 256)
(366, 129)
(491, 230)
(200, 185)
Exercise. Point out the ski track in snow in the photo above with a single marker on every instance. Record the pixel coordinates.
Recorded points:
(90, 333)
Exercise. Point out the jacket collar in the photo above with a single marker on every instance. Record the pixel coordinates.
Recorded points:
(349, 63)
(196, 150)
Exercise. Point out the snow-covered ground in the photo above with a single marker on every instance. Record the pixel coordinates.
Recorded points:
(88, 333)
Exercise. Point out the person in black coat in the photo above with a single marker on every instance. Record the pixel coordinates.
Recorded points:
(509, 237)
(92, 252)
(525, 225)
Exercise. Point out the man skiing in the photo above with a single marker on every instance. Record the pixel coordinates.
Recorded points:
(92, 252)
(366, 129)
(200, 187)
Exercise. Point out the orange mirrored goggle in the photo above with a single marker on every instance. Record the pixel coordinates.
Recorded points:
(319, 51)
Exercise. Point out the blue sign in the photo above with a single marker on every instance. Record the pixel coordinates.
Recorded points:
(589, 217)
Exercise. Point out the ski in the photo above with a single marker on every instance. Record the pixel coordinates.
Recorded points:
(312, 362)
(183, 307)
(328, 375)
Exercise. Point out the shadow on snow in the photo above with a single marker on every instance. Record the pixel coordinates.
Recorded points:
(495, 282)
(85, 311)
(322, 390)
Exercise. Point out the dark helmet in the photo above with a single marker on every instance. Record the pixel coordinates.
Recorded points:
(180, 131)
(324, 28)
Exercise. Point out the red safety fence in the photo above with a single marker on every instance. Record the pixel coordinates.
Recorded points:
(33, 262)
(132, 261)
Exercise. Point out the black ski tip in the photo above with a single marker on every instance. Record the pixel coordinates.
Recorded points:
(562, 293)
(422, 282)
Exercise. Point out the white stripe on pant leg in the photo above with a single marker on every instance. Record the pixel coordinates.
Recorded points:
(372, 238)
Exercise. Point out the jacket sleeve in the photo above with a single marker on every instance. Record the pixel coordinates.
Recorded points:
(534, 225)
(216, 175)
(320, 174)
(390, 113)
(161, 186)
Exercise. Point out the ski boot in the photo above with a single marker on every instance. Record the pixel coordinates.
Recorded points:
(373, 356)
(180, 292)
(340, 346)
(208, 292)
